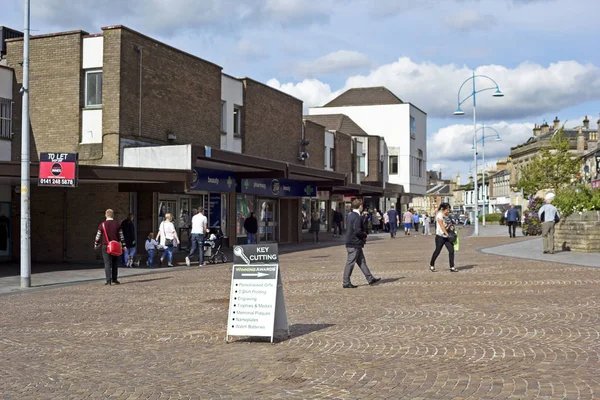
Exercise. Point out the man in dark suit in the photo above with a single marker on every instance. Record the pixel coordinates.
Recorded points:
(512, 217)
(355, 241)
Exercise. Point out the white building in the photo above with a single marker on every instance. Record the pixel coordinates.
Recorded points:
(232, 103)
(6, 133)
(403, 126)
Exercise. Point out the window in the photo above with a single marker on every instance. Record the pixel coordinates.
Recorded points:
(361, 164)
(332, 158)
(393, 165)
(93, 88)
(224, 116)
(237, 114)
(413, 128)
(5, 118)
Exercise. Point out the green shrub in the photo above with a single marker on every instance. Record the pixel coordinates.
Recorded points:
(494, 217)
(578, 198)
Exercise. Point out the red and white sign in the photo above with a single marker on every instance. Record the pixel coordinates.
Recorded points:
(596, 184)
(58, 169)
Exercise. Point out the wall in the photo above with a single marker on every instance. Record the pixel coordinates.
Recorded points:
(272, 121)
(392, 122)
(343, 153)
(315, 134)
(579, 233)
(232, 92)
(374, 174)
(181, 93)
(55, 92)
(329, 144)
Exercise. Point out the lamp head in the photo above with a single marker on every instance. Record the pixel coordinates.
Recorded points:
(459, 112)
(498, 138)
(498, 93)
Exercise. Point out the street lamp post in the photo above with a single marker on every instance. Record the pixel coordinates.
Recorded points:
(482, 140)
(458, 111)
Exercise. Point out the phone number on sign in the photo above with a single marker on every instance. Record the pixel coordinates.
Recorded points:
(56, 181)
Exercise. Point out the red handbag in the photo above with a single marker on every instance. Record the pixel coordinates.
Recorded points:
(113, 248)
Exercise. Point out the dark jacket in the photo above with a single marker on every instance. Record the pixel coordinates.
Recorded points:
(512, 215)
(355, 236)
(128, 229)
(338, 216)
(251, 225)
(113, 231)
(315, 225)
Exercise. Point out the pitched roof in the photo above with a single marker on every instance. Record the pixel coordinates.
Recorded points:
(338, 122)
(369, 96)
(439, 189)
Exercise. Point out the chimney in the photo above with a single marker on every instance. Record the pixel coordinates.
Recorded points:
(580, 142)
(586, 123)
(545, 128)
(556, 123)
(536, 130)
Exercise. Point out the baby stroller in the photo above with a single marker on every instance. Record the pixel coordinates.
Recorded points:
(212, 246)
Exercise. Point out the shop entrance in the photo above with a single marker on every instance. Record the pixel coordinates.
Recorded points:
(268, 225)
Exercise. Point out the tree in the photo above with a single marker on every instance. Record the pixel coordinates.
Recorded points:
(553, 168)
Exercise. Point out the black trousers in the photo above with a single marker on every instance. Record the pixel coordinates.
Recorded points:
(440, 242)
(512, 225)
(111, 265)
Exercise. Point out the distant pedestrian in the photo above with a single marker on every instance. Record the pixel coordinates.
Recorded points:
(512, 216)
(150, 247)
(375, 220)
(315, 226)
(167, 237)
(394, 220)
(338, 220)
(549, 217)
(355, 242)
(444, 236)
(199, 229)
(407, 219)
(365, 221)
(128, 228)
(426, 224)
(386, 222)
(251, 227)
(108, 233)
(416, 222)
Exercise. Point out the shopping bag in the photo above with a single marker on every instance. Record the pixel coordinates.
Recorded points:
(456, 243)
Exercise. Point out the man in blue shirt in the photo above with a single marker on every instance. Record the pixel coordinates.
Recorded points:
(512, 216)
(416, 222)
(393, 220)
(549, 217)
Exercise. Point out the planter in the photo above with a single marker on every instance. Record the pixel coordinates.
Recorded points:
(579, 233)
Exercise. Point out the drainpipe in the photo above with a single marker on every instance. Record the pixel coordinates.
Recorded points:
(139, 50)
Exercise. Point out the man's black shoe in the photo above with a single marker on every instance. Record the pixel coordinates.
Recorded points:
(106, 283)
(350, 286)
(374, 281)
(116, 282)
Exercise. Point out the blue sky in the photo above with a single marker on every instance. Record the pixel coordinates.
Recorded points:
(543, 53)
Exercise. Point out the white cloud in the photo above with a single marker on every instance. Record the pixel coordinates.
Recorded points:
(530, 89)
(249, 49)
(335, 62)
(469, 19)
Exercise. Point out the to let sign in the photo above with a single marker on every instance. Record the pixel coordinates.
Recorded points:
(256, 303)
(58, 169)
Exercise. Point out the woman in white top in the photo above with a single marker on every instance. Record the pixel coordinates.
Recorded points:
(444, 236)
(167, 237)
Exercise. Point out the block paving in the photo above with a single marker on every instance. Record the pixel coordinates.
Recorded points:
(501, 328)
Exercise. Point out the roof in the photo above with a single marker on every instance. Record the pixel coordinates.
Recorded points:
(439, 189)
(568, 133)
(338, 122)
(369, 96)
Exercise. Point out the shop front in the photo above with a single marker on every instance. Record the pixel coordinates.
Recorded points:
(276, 204)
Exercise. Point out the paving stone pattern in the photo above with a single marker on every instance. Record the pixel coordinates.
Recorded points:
(501, 328)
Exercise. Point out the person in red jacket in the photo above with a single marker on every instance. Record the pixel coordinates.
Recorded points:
(107, 231)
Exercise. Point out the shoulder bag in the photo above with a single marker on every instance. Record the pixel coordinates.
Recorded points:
(113, 247)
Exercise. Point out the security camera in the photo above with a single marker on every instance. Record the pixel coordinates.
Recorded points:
(22, 90)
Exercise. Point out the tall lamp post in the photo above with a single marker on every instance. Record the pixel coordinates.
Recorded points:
(482, 140)
(458, 111)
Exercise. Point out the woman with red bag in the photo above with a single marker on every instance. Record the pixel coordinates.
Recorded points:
(113, 243)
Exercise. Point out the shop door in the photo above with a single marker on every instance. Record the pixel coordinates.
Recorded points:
(166, 205)
(268, 224)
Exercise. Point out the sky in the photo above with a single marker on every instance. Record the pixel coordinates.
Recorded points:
(543, 54)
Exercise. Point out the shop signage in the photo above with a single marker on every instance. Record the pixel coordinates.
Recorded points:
(211, 180)
(214, 205)
(277, 188)
(323, 195)
(58, 169)
(256, 302)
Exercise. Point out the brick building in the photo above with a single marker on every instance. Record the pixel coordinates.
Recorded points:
(156, 130)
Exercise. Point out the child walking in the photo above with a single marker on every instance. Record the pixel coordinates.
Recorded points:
(150, 246)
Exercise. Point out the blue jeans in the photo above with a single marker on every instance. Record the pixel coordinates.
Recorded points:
(150, 257)
(251, 238)
(197, 244)
(168, 253)
(129, 253)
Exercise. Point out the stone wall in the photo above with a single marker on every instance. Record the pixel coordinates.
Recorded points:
(579, 233)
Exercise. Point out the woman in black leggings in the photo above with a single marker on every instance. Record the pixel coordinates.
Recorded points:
(444, 236)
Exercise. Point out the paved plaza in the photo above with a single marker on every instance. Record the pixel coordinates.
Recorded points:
(501, 328)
